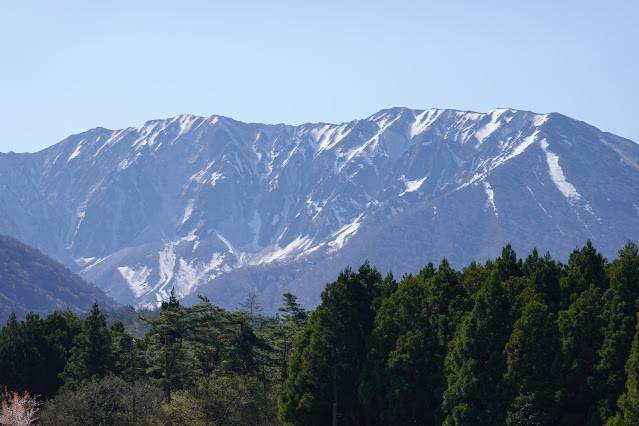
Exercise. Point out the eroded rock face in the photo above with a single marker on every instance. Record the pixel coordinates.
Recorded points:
(220, 207)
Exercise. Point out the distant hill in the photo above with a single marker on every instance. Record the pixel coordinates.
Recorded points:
(30, 281)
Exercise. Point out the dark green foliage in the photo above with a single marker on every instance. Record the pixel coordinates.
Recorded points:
(476, 363)
(294, 319)
(329, 355)
(529, 366)
(132, 319)
(127, 353)
(544, 275)
(34, 352)
(507, 342)
(474, 277)
(628, 403)
(244, 356)
(619, 315)
(399, 314)
(585, 267)
(91, 355)
(403, 378)
(580, 328)
(166, 352)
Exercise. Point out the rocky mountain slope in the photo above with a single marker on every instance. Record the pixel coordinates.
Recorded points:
(219, 207)
(30, 281)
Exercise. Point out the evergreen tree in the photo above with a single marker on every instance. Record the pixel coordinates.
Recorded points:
(91, 355)
(585, 267)
(246, 351)
(397, 315)
(474, 277)
(529, 360)
(209, 346)
(166, 345)
(620, 317)
(12, 355)
(580, 328)
(544, 275)
(293, 320)
(36, 355)
(61, 329)
(325, 368)
(127, 359)
(629, 401)
(475, 363)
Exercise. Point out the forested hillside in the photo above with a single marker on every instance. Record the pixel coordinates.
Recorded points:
(31, 281)
(513, 341)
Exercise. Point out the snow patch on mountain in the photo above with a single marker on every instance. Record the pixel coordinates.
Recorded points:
(188, 210)
(136, 279)
(299, 246)
(227, 244)
(510, 148)
(166, 259)
(491, 197)
(191, 273)
(339, 238)
(77, 151)
(423, 121)
(557, 175)
(411, 185)
(490, 127)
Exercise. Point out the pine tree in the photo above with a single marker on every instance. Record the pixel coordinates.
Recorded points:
(166, 345)
(293, 320)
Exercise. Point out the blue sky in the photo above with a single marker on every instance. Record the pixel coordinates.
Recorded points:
(68, 66)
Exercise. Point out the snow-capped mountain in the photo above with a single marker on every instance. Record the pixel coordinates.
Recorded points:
(219, 207)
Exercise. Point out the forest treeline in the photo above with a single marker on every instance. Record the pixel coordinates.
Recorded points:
(515, 341)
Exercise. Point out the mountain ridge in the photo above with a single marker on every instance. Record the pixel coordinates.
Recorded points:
(183, 201)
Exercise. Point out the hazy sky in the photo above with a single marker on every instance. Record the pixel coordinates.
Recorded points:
(68, 66)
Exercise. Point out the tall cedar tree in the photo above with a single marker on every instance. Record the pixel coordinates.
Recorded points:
(585, 267)
(628, 403)
(529, 363)
(580, 328)
(396, 316)
(475, 363)
(403, 378)
(619, 316)
(325, 368)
